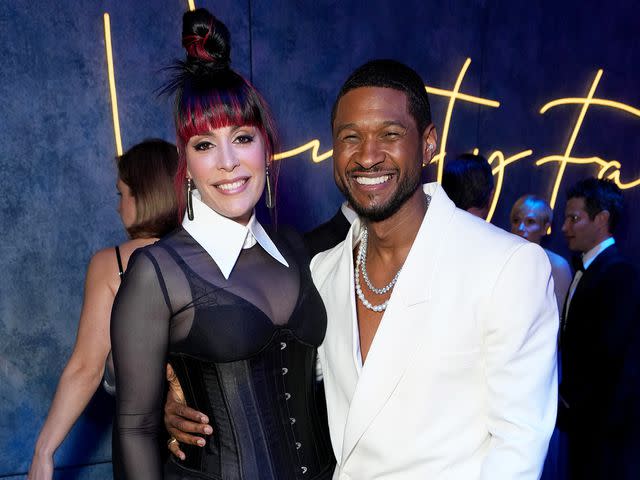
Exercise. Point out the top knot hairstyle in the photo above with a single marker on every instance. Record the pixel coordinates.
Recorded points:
(209, 94)
(206, 39)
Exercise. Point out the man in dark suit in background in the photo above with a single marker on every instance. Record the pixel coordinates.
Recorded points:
(600, 341)
(332, 232)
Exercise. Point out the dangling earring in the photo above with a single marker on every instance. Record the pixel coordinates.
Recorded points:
(189, 199)
(269, 200)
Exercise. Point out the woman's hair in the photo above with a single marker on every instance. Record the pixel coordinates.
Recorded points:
(536, 202)
(148, 169)
(209, 94)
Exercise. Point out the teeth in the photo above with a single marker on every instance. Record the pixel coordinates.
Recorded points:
(232, 186)
(372, 180)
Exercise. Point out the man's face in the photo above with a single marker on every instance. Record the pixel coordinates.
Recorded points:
(581, 232)
(377, 151)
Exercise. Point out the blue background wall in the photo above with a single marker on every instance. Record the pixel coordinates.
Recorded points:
(56, 137)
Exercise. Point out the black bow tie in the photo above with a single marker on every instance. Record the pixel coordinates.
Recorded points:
(576, 263)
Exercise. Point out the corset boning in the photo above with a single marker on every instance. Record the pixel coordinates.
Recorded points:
(268, 417)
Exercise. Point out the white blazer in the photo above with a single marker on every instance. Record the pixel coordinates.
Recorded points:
(460, 381)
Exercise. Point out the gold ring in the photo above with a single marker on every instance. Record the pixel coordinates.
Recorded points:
(171, 440)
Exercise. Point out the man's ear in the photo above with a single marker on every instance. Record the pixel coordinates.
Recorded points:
(429, 144)
(602, 219)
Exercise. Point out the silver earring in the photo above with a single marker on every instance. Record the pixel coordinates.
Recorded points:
(189, 199)
(269, 200)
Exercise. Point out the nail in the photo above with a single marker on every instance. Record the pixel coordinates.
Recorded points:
(208, 430)
(204, 419)
(200, 442)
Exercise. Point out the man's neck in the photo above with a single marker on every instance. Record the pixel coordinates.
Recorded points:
(392, 238)
(597, 242)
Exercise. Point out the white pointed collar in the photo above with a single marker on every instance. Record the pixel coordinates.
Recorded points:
(223, 238)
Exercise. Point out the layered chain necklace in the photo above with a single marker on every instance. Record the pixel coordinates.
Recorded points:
(361, 266)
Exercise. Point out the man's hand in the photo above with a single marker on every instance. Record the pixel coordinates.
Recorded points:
(180, 420)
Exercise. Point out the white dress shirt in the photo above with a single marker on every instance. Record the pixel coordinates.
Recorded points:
(223, 238)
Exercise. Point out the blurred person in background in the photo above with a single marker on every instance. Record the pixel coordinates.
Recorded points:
(148, 210)
(531, 218)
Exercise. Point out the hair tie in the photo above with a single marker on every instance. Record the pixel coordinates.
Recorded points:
(195, 45)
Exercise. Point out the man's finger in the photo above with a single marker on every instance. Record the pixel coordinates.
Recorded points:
(174, 448)
(185, 426)
(186, 438)
(173, 412)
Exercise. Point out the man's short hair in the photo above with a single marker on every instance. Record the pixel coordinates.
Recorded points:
(468, 181)
(391, 74)
(599, 195)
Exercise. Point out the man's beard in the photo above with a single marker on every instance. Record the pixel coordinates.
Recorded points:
(406, 188)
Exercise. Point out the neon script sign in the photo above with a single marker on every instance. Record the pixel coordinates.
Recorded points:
(610, 169)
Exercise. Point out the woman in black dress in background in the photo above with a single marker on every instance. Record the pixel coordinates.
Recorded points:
(231, 307)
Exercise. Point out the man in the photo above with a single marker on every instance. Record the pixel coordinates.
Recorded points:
(531, 218)
(439, 355)
(468, 182)
(600, 390)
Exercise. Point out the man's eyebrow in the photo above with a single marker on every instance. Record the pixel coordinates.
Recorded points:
(386, 123)
(344, 126)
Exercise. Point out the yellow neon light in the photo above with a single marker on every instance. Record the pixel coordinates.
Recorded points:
(572, 140)
(313, 145)
(594, 101)
(112, 84)
(499, 169)
(192, 5)
(463, 96)
(566, 159)
(439, 157)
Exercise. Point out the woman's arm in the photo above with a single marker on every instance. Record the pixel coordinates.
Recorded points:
(81, 376)
(140, 337)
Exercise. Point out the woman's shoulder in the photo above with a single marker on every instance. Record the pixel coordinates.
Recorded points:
(129, 247)
(556, 260)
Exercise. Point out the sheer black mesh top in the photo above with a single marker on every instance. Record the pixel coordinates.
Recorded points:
(244, 350)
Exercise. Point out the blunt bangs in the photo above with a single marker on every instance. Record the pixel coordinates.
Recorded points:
(200, 112)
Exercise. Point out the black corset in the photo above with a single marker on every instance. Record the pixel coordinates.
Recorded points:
(244, 349)
(265, 412)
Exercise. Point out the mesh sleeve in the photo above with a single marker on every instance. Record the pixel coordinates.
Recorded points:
(139, 336)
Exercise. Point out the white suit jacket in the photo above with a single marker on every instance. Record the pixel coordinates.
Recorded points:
(460, 380)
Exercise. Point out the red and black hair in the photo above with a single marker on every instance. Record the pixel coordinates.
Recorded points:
(210, 95)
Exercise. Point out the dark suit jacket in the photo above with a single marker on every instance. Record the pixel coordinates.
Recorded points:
(600, 348)
(327, 235)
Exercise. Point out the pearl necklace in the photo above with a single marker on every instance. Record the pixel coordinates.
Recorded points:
(361, 264)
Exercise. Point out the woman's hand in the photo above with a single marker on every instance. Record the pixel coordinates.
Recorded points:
(41, 468)
(180, 420)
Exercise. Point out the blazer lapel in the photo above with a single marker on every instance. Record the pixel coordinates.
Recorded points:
(404, 323)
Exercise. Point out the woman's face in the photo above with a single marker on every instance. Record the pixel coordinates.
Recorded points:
(526, 221)
(126, 205)
(227, 166)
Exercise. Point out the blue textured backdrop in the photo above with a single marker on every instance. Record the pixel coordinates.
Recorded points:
(56, 136)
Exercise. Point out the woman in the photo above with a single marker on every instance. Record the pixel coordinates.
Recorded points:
(531, 218)
(231, 307)
(148, 210)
